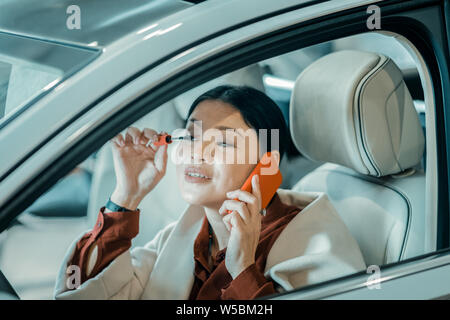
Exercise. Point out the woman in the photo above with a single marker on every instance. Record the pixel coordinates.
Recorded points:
(209, 253)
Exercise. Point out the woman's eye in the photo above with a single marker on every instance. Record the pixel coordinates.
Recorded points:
(188, 137)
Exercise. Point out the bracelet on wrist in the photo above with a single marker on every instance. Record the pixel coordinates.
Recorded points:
(115, 207)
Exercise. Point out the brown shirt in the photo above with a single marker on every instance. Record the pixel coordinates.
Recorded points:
(114, 230)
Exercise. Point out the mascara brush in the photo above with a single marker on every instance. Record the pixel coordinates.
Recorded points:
(164, 139)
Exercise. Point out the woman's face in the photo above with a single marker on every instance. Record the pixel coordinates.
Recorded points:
(220, 155)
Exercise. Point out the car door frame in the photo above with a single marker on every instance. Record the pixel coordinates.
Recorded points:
(344, 23)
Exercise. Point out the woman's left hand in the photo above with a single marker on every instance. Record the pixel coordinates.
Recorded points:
(244, 224)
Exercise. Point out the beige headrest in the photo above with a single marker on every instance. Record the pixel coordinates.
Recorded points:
(353, 108)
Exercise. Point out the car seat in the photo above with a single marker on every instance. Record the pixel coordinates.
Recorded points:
(352, 110)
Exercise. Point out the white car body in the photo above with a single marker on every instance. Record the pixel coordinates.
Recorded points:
(171, 45)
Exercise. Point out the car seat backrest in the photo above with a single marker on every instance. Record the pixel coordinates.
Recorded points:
(352, 110)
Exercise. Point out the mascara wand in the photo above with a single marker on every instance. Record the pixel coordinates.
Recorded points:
(164, 139)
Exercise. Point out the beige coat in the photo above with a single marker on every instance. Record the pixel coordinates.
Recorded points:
(315, 246)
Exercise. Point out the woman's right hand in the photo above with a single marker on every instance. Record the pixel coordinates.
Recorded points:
(138, 167)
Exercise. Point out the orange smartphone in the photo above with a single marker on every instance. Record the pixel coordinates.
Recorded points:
(268, 183)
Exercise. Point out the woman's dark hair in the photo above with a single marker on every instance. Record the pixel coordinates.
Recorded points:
(258, 110)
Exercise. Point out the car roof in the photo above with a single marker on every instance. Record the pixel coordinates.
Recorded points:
(101, 21)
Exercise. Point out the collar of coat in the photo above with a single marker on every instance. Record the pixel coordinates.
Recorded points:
(314, 246)
(173, 274)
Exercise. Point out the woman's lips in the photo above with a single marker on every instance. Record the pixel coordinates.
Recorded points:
(196, 175)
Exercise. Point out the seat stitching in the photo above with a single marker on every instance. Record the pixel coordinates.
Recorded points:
(386, 247)
(361, 129)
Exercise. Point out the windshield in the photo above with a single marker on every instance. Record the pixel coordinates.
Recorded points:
(29, 68)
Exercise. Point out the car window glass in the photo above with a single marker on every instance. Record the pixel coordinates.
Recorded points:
(32, 249)
(30, 68)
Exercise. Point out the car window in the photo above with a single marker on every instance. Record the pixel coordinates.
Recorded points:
(33, 248)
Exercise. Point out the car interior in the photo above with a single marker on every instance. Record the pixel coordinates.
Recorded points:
(355, 110)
